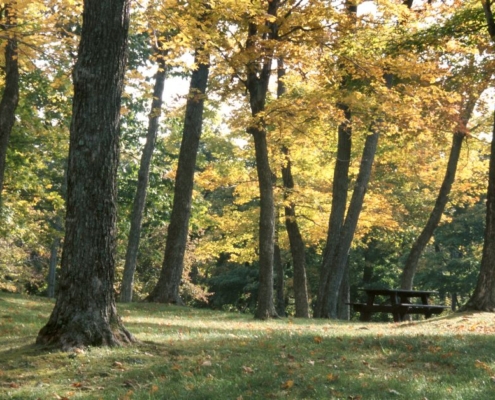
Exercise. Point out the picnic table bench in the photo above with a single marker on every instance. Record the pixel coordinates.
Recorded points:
(398, 303)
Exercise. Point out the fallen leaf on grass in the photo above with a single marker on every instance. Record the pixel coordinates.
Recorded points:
(206, 363)
(318, 339)
(288, 384)
(247, 370)
(332, 377)
(14, 385)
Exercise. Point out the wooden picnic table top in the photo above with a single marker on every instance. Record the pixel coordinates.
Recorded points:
(403, 292)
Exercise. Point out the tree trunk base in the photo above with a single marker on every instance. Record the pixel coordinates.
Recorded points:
(83, 330)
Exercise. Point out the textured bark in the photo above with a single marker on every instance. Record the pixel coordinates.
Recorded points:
(10, 96)
(167, 287)
(85, 313)
(339, 202)
(422, 240)
(483, 298)
(258, 78)
(296, 242)
(142, 184)
(265, 307)
(279, 271)
(52, 268)
(339, 262)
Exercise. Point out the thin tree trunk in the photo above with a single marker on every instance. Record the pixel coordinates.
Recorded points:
(167, 287)
(339, 262)
(142, 184)
(258, 77)
(10, 96)
(279, 270)
(296, 242)
(52, 268)
(339, 202)
(85, 313)
(422, 240)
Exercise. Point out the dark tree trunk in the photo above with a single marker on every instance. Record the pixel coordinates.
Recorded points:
(52, 268)
(339, 262)
(483, 298)
(10, 96)
(339, 203)
(167, 287)
(142, 184)
(258, 77)
(85, 313)
(343, 311)
(279, 270)
(422, 240)
(297, 246)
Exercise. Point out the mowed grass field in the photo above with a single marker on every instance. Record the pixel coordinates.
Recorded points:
(200, 354)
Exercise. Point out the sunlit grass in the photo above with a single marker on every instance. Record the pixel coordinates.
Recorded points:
(202, 354)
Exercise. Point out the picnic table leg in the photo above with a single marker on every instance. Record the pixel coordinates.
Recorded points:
(365, 316)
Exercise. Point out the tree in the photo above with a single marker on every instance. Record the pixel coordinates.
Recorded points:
(10, 96)
(483, 298)
(297, 246)
(143, 179)
(85, 313)
(167, 287)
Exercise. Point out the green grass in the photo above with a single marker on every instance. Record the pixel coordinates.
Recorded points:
(198, 354)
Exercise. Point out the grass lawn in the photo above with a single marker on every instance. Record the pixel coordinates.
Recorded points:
(199, 354)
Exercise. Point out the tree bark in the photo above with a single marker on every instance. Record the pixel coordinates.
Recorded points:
(142, 184)
(339, 203)
(10, 96)
(483, 298)
(258, 77)
(85, 313)
(279, 271)
(422, 240)
(296, 242)
(167, 287)
(339, 262)
(52, 268)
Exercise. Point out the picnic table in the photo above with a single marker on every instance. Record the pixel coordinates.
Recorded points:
(398, 303)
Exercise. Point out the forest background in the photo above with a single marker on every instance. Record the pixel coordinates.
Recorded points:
(420, 73)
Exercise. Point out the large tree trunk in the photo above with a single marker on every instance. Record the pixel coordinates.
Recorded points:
(422, 240)
(339, 203)
(296, 242)
(10, 96)
(85, 313)
(167, 287)
(142, 184)
(483, 298)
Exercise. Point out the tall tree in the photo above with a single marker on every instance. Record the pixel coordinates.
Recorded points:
(85, 313)
(143, 179)
(10, 96)
(167, 287)
(296, 242)
(258, 77)
(407, 276)
(483, 298)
